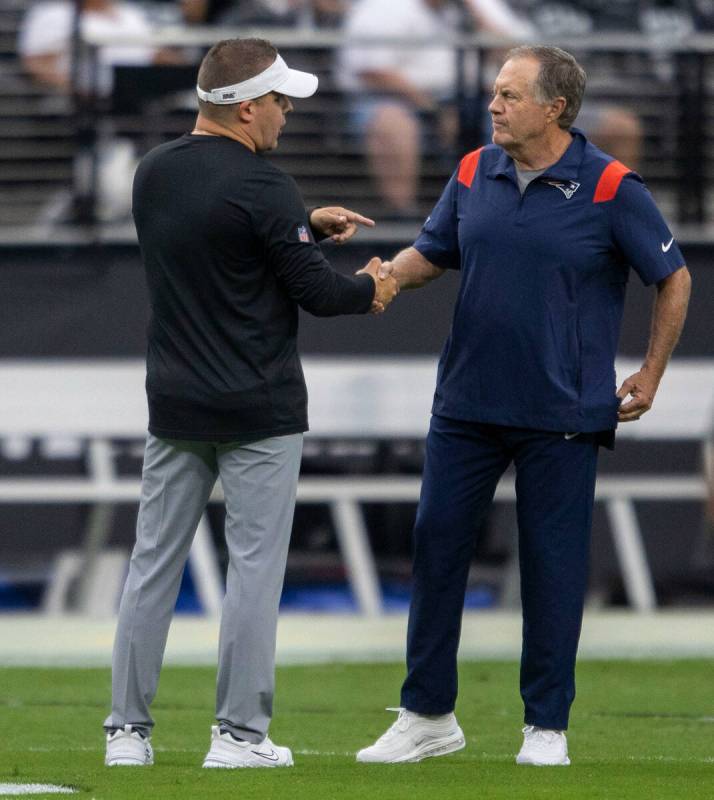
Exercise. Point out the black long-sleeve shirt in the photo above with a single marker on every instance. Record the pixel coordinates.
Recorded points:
(229, 257)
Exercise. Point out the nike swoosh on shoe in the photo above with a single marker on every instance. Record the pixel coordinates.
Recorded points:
(271, 756)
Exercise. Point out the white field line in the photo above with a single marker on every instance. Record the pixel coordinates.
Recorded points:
(16, 789)
(661, 717)
(487, 757)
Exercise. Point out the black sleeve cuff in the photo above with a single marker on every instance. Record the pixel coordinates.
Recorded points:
(316, 235)
(368, 290)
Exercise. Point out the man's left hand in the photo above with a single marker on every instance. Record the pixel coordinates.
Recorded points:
(340, 224)
(641, 387)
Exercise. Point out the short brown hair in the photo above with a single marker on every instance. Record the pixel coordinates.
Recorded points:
(232, 61)
(560, 75)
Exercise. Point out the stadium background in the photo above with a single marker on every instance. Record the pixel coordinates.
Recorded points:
(71, 287)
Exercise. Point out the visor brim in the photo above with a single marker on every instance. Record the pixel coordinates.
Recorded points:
(298, 84)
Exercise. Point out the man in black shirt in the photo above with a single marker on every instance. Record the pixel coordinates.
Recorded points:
(230, 254)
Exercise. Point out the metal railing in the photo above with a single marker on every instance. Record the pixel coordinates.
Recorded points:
(669, 83)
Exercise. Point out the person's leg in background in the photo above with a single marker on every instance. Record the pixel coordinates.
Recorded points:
(393, 144)
(615, 130)
(177, 480)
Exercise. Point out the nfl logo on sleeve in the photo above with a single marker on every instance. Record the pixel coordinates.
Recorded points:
(303, 235)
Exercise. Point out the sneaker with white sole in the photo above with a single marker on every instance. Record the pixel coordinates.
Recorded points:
(543, 748)
(128, 748)
(229, 753)
(414, 737)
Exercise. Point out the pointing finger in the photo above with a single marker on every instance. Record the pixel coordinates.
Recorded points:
(353, 216)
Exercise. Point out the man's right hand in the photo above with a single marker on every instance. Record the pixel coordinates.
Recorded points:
(386, 288)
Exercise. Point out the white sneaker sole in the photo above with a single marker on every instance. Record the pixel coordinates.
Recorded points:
(441, 747)
(126, 762)
(212, 764)
(524, 761)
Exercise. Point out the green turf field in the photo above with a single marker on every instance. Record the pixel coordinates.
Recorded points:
(639, 730)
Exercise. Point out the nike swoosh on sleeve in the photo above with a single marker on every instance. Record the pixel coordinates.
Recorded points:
(665, 247)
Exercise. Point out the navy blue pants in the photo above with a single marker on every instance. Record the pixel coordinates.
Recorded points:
(555, 484)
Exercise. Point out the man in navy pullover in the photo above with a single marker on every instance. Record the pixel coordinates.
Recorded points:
(544, 228)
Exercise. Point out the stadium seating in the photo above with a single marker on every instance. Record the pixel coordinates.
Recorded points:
(317, 147)
(36, 132)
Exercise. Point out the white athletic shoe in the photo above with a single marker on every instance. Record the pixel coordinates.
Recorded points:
(543, 748)
(229, 753)
(128, 748)
(414, 737)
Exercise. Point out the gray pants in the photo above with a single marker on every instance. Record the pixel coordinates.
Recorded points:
(259, 483)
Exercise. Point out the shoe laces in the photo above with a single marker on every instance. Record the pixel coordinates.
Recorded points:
(127, 730)
(541, 736)
(267, 742)
(399, 725)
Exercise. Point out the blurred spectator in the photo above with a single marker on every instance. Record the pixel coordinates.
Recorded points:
(329, 13)
(286, 13)
(394, 87)
(702, 12)
(45, 47)
(566, 18)
(614, 128)
(45, 43)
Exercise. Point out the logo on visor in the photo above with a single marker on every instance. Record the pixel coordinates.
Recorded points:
(303, 235)
(228, 95)
(568, 188)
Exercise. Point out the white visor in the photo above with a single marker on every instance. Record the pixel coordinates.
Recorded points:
(277, 78)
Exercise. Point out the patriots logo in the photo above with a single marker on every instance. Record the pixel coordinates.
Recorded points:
(568, 188)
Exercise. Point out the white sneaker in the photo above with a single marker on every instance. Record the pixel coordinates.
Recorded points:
(543, 748)
(229, 753)
(414, 737)
(128, 748)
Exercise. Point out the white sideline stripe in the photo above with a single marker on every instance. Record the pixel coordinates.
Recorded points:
(491, 757)
(53, 641)
(673, 759)
(13, 789)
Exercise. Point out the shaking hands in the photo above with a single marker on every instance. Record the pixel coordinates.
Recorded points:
(341, 224)
(386, 287)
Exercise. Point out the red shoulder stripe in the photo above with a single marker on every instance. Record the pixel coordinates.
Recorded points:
(468, 166)
(610, 181)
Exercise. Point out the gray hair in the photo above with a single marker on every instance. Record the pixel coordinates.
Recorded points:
(560, 75)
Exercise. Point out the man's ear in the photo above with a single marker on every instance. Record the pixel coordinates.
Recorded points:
(557, 107)
(246, 110)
